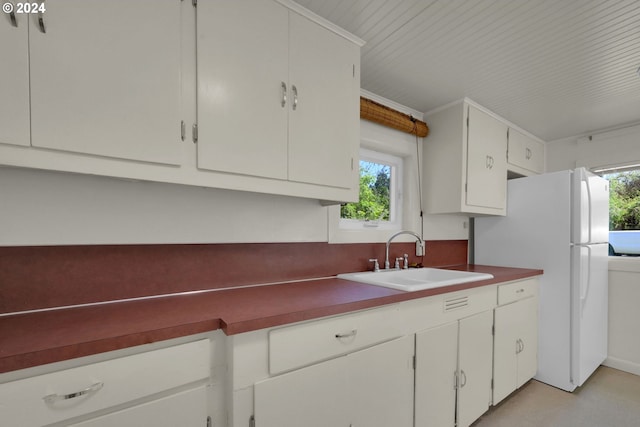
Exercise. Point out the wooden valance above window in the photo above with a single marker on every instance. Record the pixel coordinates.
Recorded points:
(381, 114)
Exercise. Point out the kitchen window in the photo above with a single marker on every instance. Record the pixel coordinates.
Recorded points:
(624, 209)
(380, 204)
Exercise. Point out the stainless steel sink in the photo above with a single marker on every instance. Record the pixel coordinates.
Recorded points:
(415, 279)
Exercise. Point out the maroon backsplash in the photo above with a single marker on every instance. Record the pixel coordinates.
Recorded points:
(35, 277)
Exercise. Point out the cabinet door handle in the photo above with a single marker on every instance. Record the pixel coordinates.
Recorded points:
(294, 89)
(528, 154)
(41, 22)
(52, 398)
(12, 17)
(463, 382)
(489, 162)
(283, 102)
(521, 346)
(353, 333)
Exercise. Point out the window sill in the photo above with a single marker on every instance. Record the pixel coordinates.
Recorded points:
(628, 264)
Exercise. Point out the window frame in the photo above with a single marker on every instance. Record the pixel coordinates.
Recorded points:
(395, 192)
(603, 172)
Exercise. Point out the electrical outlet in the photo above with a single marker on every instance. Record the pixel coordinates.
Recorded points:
(419, 248)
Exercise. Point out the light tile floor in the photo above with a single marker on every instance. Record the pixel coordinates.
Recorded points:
(610, 398)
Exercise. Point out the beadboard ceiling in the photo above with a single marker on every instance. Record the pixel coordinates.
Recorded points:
(556, 68)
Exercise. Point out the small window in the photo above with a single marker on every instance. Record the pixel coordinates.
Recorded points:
(380, 193)
(624, 212)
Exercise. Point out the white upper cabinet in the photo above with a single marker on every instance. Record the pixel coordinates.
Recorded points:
(324, 116)
(486, 161)
(465, 167)
(525, 154)
(278, 95)
(14, 81)
(243, 87)
(267, 90)
(105, 79)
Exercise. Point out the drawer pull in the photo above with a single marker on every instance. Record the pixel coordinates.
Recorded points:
(519, 291)
(353, 333)
(52, 398)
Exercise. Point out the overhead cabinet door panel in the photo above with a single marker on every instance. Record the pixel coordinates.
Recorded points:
(324, 115)
(105, 79)
(243, 87)
(487, 160)
(14, 81)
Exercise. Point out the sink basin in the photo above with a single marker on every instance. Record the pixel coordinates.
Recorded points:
(415, 279)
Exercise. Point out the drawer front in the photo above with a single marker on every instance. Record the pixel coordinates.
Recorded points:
(61, 395)
(515, 291)
(303, 344)
(185, 409)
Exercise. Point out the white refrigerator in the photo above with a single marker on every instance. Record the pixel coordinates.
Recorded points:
(558, 222)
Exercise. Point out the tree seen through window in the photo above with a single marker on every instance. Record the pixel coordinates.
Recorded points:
(375, 189)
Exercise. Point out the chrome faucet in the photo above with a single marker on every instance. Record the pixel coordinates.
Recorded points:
(386, 258)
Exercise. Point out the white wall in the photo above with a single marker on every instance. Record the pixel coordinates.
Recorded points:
(617, 147)
(52, 208)
(624, 316)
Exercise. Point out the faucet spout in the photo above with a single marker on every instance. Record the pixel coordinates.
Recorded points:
(386, 258)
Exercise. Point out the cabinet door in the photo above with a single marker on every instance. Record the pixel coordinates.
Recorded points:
(14, 81)
(486, 160)
(324, 115)
(105, 79)
(475, 357)
(505, 349)
(381, 385)
(436, 365)
(186, 409)
(242, 84)
(528, 355)
(525, 152)
(316, 396)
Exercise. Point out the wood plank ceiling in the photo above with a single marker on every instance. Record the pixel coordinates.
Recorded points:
(557, 68)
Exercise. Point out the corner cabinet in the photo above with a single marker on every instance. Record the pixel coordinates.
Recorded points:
(278, 95)
(465, 161)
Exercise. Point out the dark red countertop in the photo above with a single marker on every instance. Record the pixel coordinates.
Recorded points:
(38, 338)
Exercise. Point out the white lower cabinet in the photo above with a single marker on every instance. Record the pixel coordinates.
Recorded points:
(371, 387)
(516, 342)
(163, 387)
(185, 409)
(453, 372)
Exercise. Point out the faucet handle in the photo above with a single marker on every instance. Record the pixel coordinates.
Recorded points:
(376, 266)
(406, 261)
(397, 263)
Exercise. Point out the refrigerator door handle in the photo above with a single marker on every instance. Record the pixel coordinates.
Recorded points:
(589, 202)
(585, 291)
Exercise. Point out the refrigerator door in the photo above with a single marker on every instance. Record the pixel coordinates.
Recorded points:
(589, 309)
(591, 208)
